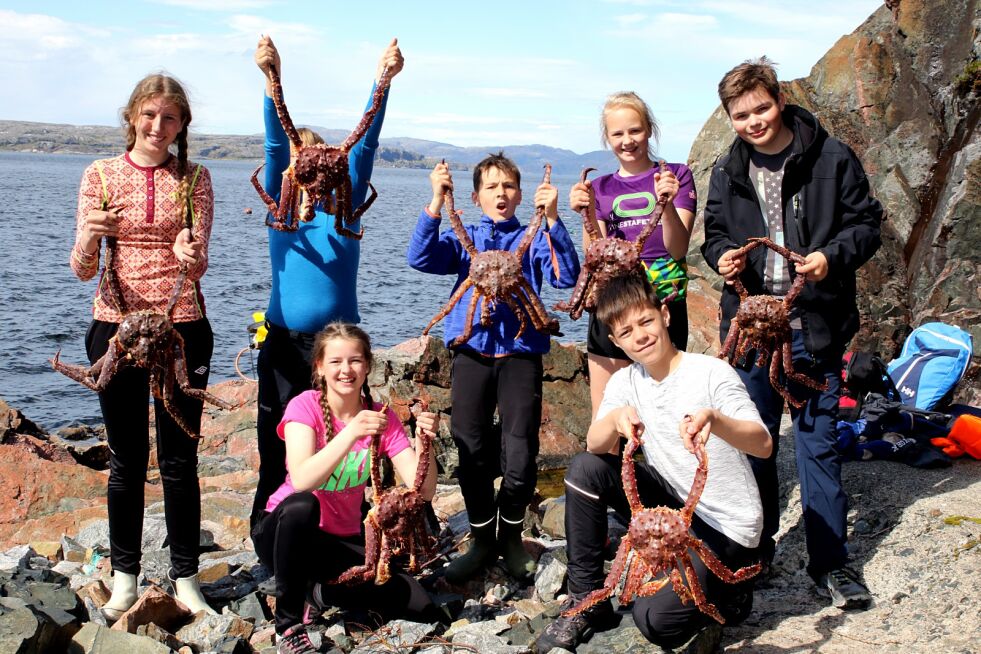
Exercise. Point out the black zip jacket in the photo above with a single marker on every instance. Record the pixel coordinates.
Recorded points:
(827, 207)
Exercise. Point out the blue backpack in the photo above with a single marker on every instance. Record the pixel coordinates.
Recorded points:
(935, 357)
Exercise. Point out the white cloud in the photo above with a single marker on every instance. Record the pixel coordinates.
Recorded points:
(642, 3)
(216, 5)
(508, 92)
(37, 37)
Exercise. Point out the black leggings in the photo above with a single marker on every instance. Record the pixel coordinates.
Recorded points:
(513, 386)
(126, 411)
(289, 542)
(592, 484)
(284, 372)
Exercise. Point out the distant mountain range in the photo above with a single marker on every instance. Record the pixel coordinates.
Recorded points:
(23, 136)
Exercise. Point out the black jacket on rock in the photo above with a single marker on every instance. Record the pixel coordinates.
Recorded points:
(827, 207)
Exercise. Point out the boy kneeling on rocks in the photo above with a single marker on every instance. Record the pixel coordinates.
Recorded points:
(655, 394)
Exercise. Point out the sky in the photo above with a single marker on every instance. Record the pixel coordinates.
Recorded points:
(501, 73)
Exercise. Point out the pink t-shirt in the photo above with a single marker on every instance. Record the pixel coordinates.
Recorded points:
(340, 496)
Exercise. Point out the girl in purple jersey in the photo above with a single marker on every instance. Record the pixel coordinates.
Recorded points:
(625, 201)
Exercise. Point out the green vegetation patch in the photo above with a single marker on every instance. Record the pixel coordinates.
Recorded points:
(958, 520)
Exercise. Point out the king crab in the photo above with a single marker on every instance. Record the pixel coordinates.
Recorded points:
(660, 540)
(496, 276)
(319, 171)
(762, 322)
(396, 523)
(147, 340)
(609, 257)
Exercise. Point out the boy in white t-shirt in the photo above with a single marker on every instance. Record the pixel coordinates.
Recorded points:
(657, 392)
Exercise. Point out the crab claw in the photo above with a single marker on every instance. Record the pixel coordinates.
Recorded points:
(56, 359)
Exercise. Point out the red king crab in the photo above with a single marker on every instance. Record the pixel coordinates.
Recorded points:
(147, 340)
(763, 323)
(660, 539)
(609, 257)
(396, 523)
(496, 276)
(319, 171)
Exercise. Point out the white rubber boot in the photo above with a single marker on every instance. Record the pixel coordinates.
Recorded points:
(124, 595)
(188, 591)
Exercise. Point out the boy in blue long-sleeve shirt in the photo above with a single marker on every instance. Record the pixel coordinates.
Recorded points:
(493, 369)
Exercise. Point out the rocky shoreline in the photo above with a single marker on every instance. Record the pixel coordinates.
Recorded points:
(914, 534)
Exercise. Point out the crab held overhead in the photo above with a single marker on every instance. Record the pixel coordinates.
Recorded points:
(318, 174)
(660, 539)
(607, 257)
(762, 324)
(496, 276)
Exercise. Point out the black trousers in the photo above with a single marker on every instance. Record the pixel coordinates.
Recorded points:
(512, 385)
(593, 483)
(289, 542)
(284, 372)
(126, 411)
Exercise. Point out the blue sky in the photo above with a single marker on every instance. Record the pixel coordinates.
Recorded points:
(476, 74)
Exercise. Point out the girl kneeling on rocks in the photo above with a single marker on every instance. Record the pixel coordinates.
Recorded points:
(310, 531)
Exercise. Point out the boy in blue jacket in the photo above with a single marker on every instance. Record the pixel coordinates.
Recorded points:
(493, 369)
(785, 178)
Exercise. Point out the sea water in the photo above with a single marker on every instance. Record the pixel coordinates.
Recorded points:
(46, 308)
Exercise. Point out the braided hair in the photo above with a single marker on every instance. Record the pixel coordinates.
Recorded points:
(333, 331)
(170, 89)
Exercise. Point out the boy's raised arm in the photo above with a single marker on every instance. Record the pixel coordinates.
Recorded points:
(361, 160)
(429, 251)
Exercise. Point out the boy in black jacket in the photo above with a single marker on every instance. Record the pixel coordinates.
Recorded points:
(785, 178)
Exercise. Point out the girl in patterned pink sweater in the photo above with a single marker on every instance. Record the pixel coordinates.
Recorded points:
(144, 199)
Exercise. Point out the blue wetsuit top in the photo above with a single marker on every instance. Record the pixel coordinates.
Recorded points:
(552, 256)
(315, 270)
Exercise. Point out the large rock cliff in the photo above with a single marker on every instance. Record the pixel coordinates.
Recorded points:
(902, 91)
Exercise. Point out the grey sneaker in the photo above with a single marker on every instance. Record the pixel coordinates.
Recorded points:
(568, 633)
(845, 589)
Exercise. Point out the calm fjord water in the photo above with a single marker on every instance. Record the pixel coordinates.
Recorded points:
(45, 307)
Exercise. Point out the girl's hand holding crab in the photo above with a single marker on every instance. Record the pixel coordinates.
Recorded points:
(666, 184)
(186, 249)
(428, 422)
(366, 423)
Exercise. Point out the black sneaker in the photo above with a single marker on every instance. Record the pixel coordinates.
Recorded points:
(845, 589)
(295, 641)
(567, 633)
